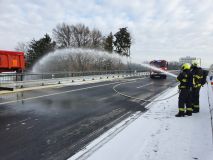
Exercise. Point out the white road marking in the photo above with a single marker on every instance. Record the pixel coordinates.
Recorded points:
(145, 85)
(53, 94)
(74, 90)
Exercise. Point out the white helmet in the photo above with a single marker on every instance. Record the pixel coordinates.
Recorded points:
(195, 63)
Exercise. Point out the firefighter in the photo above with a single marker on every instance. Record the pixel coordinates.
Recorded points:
(185, 79)
(198, 75)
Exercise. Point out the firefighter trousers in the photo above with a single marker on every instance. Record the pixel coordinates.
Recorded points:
(195, 95)
(184, 100)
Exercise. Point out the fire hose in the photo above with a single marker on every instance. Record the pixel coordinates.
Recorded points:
(136, 98)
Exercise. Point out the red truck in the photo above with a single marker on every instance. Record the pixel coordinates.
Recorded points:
(11, 61)
(159, 64)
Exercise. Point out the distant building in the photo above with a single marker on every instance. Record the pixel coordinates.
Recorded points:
(189, 59)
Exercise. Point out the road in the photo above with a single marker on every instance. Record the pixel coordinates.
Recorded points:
(55, 123)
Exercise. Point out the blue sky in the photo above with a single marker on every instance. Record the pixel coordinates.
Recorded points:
(161, 29)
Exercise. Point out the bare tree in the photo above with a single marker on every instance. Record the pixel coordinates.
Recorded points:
(22, 47)
(77, 36)
(81, 35)
(63, 35)
(96, 39)
(71, 62)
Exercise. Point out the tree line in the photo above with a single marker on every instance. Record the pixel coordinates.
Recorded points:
(76, 36)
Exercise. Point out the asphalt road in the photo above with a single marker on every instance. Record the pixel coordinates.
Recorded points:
(55, 123)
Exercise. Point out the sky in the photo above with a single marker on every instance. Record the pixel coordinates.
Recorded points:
(161, 29)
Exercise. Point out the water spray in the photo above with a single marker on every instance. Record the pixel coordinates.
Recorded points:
(158, 69)
(60, 59)
(147, 100)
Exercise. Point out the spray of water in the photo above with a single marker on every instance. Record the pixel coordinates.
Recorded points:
(57, 59)
(60, 59)
(158, 69)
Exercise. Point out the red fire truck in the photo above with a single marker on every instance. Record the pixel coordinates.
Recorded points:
(11, 61)
(160, 65)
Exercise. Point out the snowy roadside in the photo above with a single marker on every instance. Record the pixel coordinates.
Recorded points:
(157, 135)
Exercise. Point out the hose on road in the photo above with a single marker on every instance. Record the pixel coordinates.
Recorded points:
(136, 98)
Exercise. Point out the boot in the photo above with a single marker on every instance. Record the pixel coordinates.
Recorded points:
(188, 113)
(179, 114)
(193, 108)
(196, 110)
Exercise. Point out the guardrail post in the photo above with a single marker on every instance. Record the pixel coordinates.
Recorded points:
(16, 77)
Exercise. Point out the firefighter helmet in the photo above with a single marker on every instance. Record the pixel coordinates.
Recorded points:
(195, 63)
(186, 66)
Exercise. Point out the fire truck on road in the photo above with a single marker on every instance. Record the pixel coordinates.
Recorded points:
(160, 65)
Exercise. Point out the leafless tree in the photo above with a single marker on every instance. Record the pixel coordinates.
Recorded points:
(81, 35)
(77, 36)
(96, 39)
(63, 35)
(22, 47)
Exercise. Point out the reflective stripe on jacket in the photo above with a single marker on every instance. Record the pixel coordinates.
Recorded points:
(185, 79)
(197, 74)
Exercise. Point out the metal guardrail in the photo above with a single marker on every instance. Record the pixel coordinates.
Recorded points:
(13, 80)
(8, 77)
(26, 79)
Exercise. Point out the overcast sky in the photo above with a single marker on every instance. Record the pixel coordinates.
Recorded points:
(161, 29)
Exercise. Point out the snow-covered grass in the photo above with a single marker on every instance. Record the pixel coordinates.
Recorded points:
(157, 135)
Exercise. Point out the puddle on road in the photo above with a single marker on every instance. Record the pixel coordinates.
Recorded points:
(11, 96)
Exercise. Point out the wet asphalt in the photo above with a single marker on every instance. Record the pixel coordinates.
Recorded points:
(57, 122)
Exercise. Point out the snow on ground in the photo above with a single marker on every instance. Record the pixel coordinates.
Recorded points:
(157, 135)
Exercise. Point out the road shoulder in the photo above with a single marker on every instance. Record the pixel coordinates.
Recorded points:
(157, 134)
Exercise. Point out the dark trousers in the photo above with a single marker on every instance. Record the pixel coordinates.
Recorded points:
(184, 100)
(195, 94)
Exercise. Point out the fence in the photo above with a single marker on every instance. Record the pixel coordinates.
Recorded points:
(22, 80)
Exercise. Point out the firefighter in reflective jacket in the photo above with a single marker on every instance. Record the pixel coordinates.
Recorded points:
(185, 79)
(197, 74)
